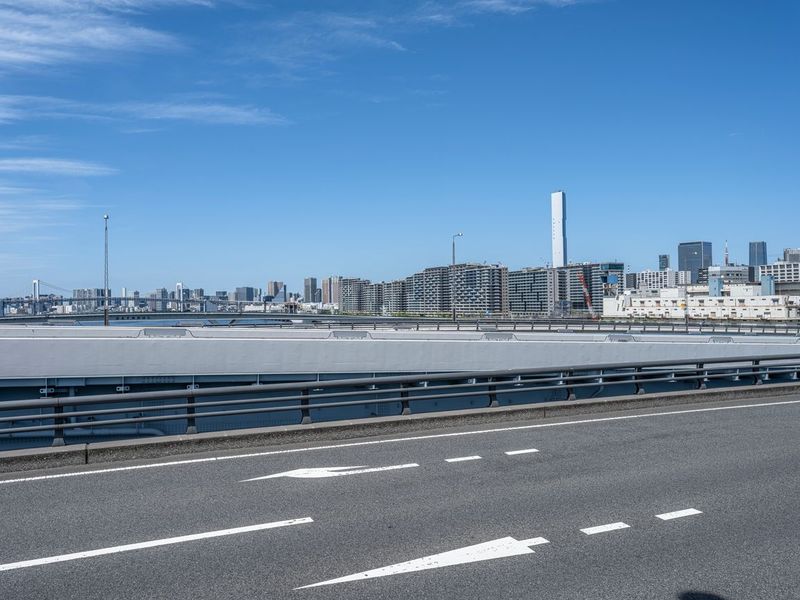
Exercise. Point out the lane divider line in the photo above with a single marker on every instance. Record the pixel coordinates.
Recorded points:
(462, 459)
(151, 544)
(605, 528)
(515, 452)
(394, 441)
(688, 512)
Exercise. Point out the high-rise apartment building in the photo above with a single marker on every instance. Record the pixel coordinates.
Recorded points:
(558, 211)
(479, 289)
(758, 254)
(394, 296)
(663, 262)
(532, 291)
(354, 294)
(332, 290)
(693, 256)
(86, 299)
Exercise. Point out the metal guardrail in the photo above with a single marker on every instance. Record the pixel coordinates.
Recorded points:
(421, 390)
(282, 320)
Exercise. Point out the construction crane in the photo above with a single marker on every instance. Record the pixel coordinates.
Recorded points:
(587, 297)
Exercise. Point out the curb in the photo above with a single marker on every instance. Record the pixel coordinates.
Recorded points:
(104, 452)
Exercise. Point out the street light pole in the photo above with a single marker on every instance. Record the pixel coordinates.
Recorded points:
(452, 276)
(105, 275)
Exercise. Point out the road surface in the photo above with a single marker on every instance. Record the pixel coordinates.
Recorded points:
(690, 503)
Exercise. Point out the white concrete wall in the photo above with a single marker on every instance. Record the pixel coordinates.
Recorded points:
(92, 352)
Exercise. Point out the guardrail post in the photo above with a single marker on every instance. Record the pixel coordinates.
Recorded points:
(304, 410)
(191, 425)
(756, 378)
(701, 381)
(492, 394)
(406, 409)
(570, 391)
(637, 379)
(58, 433)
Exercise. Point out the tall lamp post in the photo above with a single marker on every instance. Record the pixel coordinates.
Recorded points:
(105, 275)
(452, 276)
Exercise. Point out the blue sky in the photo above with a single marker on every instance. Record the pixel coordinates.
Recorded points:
(238, 141)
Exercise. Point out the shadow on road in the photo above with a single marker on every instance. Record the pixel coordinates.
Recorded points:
(692, 595)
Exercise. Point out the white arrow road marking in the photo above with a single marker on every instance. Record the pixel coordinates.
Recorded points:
(500, 548)
(151, 544)
(330, 472)
(604, 528)
(678, 514)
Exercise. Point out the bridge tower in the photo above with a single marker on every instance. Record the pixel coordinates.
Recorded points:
(35, 297)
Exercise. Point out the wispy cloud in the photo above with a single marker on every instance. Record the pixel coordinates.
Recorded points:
(203, 110)
(54, 166)
(48, 32)
(307, 40)
(311, 39)
(23, 142)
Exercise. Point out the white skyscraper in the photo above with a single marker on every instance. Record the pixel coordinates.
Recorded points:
(558, 208)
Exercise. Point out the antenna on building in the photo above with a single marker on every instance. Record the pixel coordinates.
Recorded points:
(727, 262)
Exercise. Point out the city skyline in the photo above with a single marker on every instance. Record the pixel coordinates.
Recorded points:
(235, 142)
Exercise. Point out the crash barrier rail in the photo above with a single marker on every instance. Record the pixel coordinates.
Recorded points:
(421, 392)
(567, 326)
(464, 323)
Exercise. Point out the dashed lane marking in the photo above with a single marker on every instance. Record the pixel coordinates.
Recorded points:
(462, 459)
(605, 528)
(688, 512)
(515, 452)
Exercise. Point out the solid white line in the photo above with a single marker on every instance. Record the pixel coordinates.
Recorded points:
(151, 544)
(462, 458)
(679, 513)
(392, 441)
(515, 452)
(537, 541)
(604, 528)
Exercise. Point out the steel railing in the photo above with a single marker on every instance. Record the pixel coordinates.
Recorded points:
(59, 414)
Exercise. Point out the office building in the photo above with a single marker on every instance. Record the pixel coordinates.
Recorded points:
(558, 211)
(693, 256)
(274, 288)
(791, 255)
(730, 274)
(309, 289)
(656, 280)
(246, 294)
(781, 272)
(758, 254)
(663, 262)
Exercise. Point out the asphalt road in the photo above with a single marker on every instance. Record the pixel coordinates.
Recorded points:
(503, 525)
